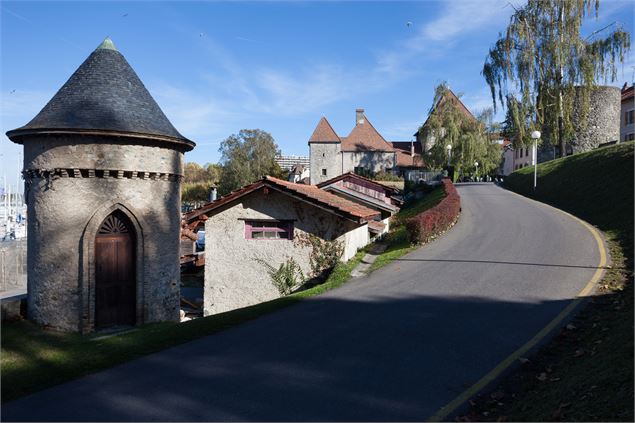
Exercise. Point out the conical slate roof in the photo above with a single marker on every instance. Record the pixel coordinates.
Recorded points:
(104, 96)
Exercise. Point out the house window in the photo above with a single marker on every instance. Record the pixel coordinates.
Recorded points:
(629, 137)
(323, 172)
(628, 117)
(521, 152)
(527, 151)
(268, 229)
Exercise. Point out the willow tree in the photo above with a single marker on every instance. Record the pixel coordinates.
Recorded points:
(450, 124)
(543, 62)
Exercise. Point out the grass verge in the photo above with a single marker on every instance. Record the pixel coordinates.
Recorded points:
(34, 359)
(397, 239)
(586, 372)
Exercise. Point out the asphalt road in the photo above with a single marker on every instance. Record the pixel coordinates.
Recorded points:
(396, 345)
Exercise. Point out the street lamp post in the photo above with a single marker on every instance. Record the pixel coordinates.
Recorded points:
(535, 136)
(476, 165)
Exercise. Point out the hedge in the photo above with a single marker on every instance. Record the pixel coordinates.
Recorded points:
(432, 222)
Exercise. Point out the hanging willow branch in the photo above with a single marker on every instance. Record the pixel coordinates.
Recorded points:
(541, 66)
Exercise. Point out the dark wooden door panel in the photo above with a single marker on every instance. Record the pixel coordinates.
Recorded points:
(115, 284)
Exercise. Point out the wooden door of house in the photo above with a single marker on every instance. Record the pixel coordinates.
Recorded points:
(115, 284)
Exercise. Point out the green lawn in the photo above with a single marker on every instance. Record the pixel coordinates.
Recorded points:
(397, 239)
(586, 372)
(33, 359)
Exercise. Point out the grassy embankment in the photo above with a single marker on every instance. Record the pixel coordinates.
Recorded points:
(586, 372)
(397, 239)
(34, 359)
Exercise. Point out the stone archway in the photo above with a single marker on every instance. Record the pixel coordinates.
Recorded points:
(87, 271)
(115, 272)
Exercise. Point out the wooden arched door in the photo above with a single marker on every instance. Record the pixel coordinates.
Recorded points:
(115, 282)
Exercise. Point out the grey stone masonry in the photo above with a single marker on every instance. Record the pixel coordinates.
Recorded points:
(603, 123)
(65, 213)
(326, 161)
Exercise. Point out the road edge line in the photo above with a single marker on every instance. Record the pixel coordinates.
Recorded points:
(453, 405)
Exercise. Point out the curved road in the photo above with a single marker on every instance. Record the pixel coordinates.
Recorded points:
(396, 345)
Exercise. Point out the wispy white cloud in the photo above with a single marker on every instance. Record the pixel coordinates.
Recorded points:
(460, 17)
(195, 114)
(311, 90)
(434, 38)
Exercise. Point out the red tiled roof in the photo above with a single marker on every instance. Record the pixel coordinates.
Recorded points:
(308, 193)
(188, 233)
(351, 175)
(376, 226)
(324, 132)
(404, 157)
(364, 137)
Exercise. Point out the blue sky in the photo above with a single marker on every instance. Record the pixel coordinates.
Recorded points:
(218, 67)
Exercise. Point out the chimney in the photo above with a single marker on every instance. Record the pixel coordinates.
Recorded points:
(412, 149)
(212, 194)
(359, 116)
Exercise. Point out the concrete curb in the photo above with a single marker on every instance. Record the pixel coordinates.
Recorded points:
(368, 260)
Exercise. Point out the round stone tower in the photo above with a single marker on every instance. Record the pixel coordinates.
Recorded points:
(102, 168)
(603, 120)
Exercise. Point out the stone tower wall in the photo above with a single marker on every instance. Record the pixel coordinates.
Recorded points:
(72, 184)
(603, 122)
(325, 156)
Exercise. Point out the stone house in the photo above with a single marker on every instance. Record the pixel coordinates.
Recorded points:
(269, 221)
(372, 194)
(627, 118)
(102, 169)
(363, 151)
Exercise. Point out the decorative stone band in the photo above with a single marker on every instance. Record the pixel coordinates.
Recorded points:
(30, 174)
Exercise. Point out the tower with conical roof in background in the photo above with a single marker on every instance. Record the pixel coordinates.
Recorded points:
(325, 151)
(102, 169)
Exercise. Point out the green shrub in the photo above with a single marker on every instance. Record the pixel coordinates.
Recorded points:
(285, 278)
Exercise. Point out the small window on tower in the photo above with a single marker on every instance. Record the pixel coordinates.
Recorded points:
(323, 172)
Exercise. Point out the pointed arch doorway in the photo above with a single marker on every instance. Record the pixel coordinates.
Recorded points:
(115, 281)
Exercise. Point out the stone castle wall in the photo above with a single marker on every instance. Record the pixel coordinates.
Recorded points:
(325, 156)
(72, 185)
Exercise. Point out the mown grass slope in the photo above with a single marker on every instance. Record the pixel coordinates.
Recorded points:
(596, 186)
(586, 372)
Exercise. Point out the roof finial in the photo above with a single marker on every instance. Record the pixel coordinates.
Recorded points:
(107, 44)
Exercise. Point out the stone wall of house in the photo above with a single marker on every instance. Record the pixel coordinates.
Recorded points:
(375, 161)
(626, 129)
(325, 156)
(603, 122)
(235, 276)
(67, 206)
(355, 238)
